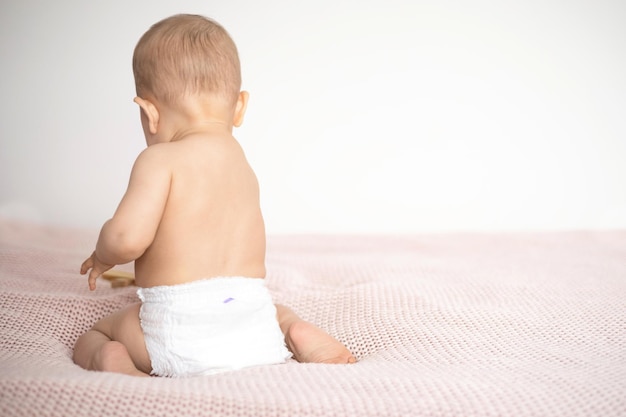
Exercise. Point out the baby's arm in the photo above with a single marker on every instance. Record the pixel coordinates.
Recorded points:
(131, 230)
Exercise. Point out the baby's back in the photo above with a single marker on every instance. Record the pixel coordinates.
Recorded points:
(212, 223)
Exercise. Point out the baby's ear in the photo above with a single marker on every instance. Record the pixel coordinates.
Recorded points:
(240, 108)
(151, 113)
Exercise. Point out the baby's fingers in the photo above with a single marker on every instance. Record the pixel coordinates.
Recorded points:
(87, 265)
(92, 280)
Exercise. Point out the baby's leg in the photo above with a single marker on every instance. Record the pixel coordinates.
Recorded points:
(309, 343)
(115, 344)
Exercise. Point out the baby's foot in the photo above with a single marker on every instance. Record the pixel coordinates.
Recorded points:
(114, 357)
(309, 343)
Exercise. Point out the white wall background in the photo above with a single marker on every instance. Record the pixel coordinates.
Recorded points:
(366, 116)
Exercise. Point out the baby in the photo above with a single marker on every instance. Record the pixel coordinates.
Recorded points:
(191, 221)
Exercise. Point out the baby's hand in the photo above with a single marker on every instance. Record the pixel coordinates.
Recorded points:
(97, 268)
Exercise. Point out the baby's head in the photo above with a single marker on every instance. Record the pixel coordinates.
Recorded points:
(187, 55)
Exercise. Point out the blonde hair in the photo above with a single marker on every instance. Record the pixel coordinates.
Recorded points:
(184, 55)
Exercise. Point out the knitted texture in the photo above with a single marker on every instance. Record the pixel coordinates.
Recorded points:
(442, 325)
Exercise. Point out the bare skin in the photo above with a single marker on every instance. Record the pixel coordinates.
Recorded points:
(309, 343)
(191, 193)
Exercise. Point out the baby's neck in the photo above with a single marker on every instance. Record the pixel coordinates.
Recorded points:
(209, 127)
(196, 117)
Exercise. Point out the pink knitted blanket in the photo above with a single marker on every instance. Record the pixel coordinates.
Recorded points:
(442, 325)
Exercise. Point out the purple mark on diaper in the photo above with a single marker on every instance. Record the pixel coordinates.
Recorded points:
(228, 300)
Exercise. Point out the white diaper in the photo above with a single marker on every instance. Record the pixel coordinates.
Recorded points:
(210, 326)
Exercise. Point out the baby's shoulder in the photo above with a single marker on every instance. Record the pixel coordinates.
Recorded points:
(153, 155)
